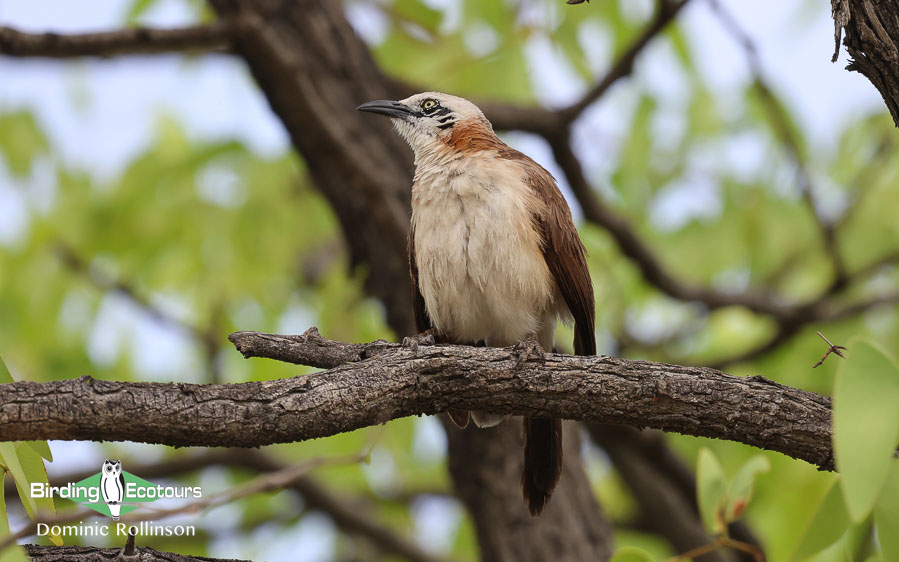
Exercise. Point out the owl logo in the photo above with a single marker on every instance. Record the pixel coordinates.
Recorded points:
(112, 485)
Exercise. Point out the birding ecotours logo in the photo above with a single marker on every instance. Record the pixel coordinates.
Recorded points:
(113, 491)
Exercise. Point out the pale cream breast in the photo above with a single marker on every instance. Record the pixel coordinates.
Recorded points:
(480, 268)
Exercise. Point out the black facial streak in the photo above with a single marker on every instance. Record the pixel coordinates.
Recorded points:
(441, 111)
(447, 126)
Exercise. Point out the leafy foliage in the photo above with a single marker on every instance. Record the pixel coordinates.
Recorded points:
(24, 463)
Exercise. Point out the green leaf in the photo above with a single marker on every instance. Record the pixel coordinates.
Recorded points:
(137, 10)
(710, 490)
(740, 491)
(21, 140)
(865, 424)
(42, 448)
(631, 554)
(886, 515)
(4, 522)
(34, 470)
(826, 527)
(10, 457)
(5, 376)
(11, 554)
(420, 13)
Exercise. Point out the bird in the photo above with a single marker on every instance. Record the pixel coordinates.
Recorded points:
(494, 256)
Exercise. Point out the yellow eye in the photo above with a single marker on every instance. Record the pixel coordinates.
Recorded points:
(428, 104)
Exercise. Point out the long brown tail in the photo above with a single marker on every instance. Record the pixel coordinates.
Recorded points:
(542, 461)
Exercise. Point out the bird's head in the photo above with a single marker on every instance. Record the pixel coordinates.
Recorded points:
(432, 122)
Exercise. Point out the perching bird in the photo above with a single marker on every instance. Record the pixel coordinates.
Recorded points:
(493, 253)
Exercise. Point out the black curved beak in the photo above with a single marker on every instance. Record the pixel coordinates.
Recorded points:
(386, 107)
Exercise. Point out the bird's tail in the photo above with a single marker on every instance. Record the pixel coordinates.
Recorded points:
(542, 461)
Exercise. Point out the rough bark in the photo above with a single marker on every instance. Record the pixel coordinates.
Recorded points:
(569, 514)
(95, 554)
(871, 30)
(393, 382)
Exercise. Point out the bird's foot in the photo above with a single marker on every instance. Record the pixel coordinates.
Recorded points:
(428, 337)
(528, 349)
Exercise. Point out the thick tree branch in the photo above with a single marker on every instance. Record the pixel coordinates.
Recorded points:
(216, 36)
(373, 383)
(530, 539)
(93, 553)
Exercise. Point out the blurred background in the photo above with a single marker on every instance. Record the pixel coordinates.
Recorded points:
(151, 205)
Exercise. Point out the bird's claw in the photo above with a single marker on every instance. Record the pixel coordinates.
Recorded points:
(424, 338)
(528, 349)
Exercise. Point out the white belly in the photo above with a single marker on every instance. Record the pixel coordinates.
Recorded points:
(480, 268)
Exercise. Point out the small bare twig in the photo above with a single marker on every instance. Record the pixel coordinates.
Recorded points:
(835, 349)
(722, 542)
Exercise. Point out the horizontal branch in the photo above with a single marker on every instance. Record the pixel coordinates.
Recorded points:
(216, 36)
(370, 384)
(93, 553)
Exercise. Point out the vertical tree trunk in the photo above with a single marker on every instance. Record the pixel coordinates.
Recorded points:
(314, 71)
(486, 467)
(872, 39)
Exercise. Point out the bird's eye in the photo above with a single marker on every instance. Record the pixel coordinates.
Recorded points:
(429, 104)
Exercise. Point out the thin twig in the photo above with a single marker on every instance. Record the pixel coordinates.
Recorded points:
(666, 11)
(835, 349)
(721, 542)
